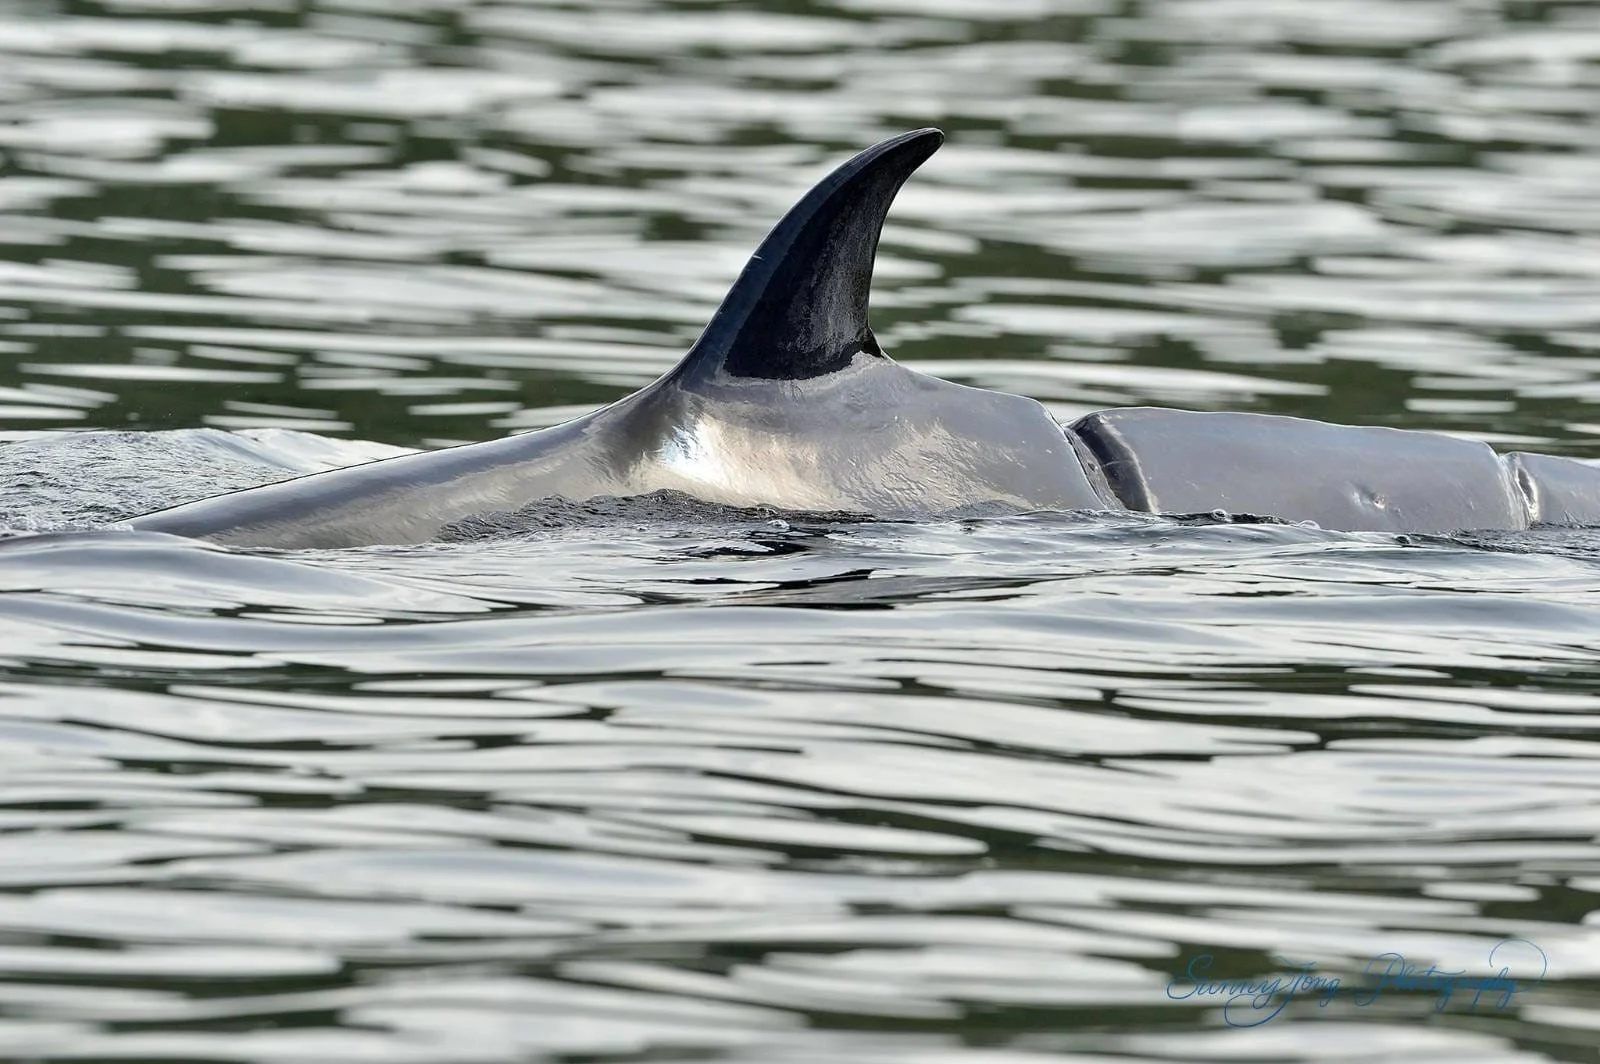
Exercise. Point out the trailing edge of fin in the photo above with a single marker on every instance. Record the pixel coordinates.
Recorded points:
(799, 308)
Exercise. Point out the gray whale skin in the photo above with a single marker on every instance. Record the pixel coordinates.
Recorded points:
(787, 400)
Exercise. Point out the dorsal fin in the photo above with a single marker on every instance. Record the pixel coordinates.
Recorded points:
(799, 308)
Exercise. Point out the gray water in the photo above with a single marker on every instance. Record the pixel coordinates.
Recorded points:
(657, 781)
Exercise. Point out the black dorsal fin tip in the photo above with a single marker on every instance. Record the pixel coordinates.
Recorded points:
(799, 307)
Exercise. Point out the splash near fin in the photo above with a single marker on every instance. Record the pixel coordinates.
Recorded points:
(799, 308)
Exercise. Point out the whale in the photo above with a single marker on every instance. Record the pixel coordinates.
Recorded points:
(787, 400)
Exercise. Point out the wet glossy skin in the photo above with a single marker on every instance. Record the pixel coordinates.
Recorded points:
(786, 400)
(871, 438)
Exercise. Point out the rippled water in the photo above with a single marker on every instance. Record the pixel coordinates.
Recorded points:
(667, 782)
